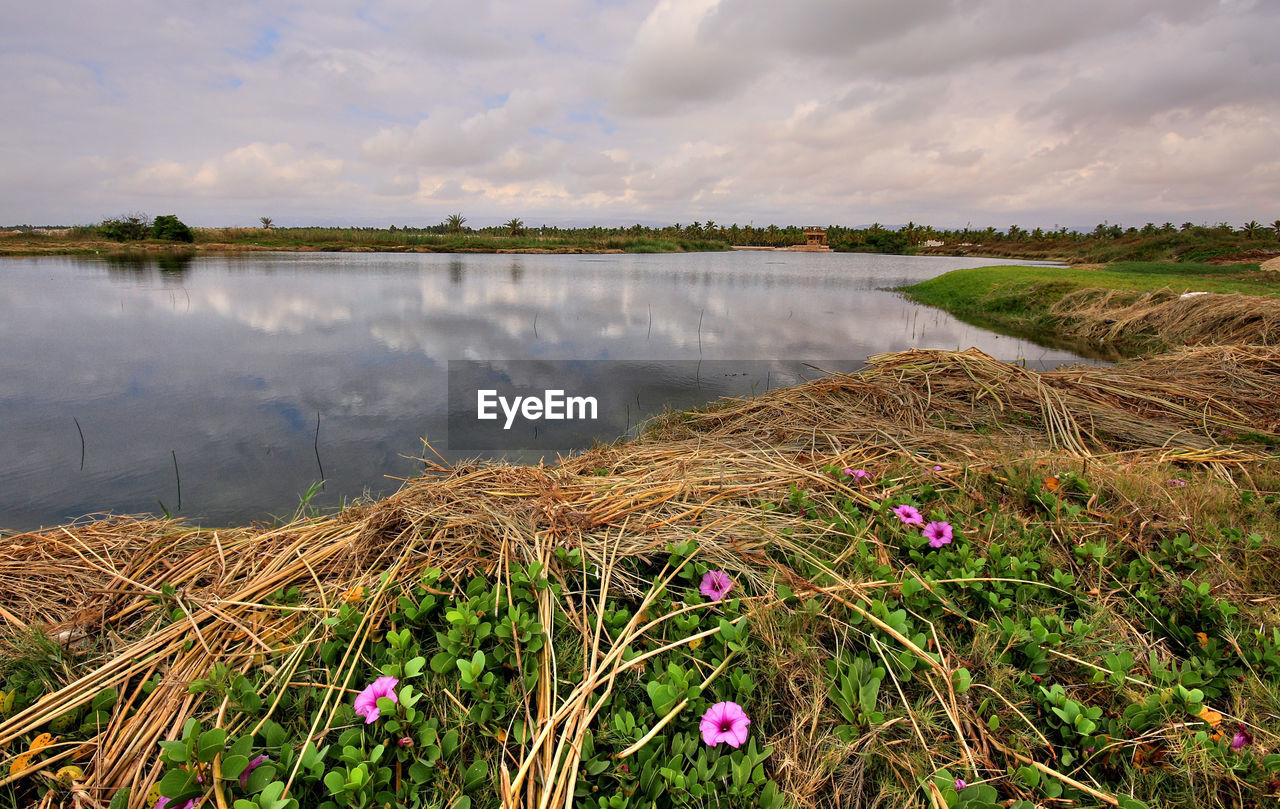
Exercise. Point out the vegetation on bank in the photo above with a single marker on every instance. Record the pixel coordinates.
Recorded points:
(1105, 243)
(933, 586)
(1144, 301)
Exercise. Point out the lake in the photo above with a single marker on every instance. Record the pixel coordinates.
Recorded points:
(221, 387)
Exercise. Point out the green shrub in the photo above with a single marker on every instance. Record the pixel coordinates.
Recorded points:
(170, 228)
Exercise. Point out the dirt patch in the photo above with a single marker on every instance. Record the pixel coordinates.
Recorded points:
(1270, 266)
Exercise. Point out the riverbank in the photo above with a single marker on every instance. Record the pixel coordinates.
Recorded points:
(946, 581)
(78, 241)
(1123, 308)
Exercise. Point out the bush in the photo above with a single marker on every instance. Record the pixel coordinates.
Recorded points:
(171, 228)
(127, 228)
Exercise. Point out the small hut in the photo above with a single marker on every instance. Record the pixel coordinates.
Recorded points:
(815, 241)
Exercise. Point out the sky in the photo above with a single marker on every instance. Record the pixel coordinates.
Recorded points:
(614, 112)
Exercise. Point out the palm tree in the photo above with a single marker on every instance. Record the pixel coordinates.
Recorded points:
(1251, 229)
(514, 226)
(1276, 227)
(266, 222)
(454, 222)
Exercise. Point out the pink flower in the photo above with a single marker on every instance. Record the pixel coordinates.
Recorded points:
(937, 469)
(715, 585)
(960, 784)
(163, 803)
(367, 700)
(1176, 482)
(254, 763)
(724, 722)
(938, 534)
(857, 474)
(910, 515)
(1241, 739)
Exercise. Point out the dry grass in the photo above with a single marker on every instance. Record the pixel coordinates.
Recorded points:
(1167, 318)
(702, 473)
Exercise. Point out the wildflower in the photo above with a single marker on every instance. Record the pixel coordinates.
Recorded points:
(910, 515)
(960, 784)
(1241, 739)
(164, 803)
(405, 741)
(254, 763)
(857, 474)
(938, 534)
(937, 468)
(715, 585)
(367, 700)
(724, 722)
(1176, 482)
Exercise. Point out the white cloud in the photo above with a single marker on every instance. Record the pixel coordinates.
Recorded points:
(575, 111)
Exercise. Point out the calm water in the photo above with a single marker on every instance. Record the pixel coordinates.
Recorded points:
(227, 364)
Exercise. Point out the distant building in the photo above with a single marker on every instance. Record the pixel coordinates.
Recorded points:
(815, 241)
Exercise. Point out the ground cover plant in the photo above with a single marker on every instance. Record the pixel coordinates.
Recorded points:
(944, 582)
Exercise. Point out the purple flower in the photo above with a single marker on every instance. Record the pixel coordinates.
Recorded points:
(367, 700)
(937, 469)
(910, 515)
(724, 722)
(254, 763)
(1241, 739)
(960, 784)
(163, 803)
(715, 585)
(1176, 482)
(857, 474)
(938, 534)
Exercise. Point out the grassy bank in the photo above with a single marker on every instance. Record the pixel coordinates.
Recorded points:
(1096, 622)
(87, 241)
(1126, 307)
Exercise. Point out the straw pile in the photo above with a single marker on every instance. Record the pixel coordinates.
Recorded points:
(1166, 318)
(705, 473)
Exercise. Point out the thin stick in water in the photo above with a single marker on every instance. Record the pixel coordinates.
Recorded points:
(316, 446)
(77, 421)
(177, 477)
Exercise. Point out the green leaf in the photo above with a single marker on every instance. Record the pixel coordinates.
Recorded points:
(449, 743)
(177, 784)
(476, 775)
(105, 700)
(212, 742)
(260, 777)
(335, 781)
(414, 667)
(232, 766)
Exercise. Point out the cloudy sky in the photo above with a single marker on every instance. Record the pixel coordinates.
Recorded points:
(570, 112)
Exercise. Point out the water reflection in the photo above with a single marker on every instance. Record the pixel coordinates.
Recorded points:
(228, 362)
